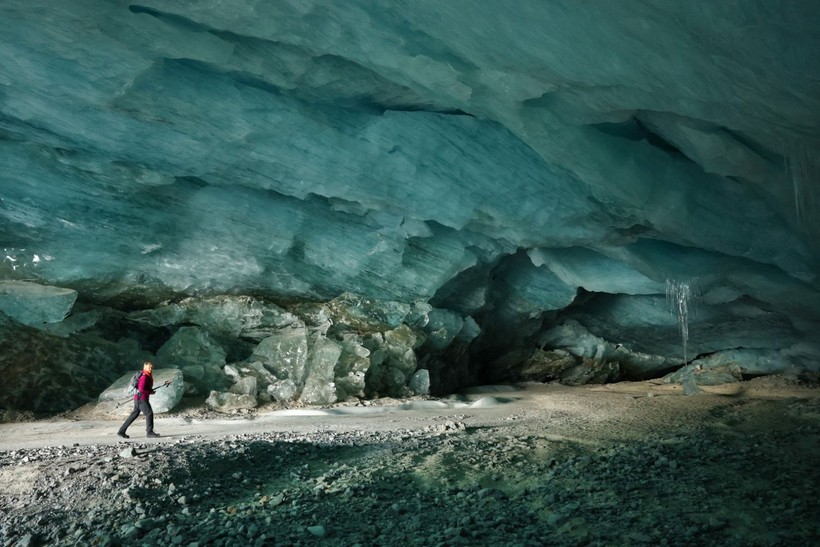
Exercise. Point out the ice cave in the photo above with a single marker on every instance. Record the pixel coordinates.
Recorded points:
(358, 199)
(309, 202)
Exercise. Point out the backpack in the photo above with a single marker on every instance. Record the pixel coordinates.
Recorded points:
(132, 390)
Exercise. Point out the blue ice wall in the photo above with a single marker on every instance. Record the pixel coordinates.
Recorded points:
(525, 165)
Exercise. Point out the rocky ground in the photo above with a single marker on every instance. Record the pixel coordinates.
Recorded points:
(622, 464)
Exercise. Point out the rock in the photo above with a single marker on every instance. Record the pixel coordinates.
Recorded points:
(318, 531)
(320, 388)
(285, 353)
(27, 540)
(144, 524)
(590, 371)
(226, 402)
(283, 391)
(419, 382)
(199, 355)
(33, 304)
(245, 385)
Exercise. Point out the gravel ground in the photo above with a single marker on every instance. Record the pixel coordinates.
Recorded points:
(622, 464)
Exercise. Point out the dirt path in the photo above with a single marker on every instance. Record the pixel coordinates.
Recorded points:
(575, 411)
(629, 463)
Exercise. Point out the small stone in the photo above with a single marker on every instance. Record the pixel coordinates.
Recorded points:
(144, 524)
(318, 531)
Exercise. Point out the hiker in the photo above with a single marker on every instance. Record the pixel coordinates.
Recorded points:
(145, 389)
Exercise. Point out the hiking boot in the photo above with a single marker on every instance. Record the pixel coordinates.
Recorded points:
(122, 434)
(153, 435)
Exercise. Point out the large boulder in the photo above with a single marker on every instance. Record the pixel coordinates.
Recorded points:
(199, 356)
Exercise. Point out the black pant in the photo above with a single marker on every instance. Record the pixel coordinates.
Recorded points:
(145, 408)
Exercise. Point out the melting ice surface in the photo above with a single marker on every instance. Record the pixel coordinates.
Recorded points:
(680, 298)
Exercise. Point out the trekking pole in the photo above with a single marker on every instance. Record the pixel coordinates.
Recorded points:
(131, 398)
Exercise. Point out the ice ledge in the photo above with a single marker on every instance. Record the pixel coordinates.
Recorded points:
(34, 304)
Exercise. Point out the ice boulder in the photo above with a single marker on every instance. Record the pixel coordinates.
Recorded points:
(319, 385)
(285, 353)
(442, 327)
(392, 361)
(199, 356)
(351, 368)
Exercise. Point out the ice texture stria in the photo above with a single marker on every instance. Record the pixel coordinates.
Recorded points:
(493, 179)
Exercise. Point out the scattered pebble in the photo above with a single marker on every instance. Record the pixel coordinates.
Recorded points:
(728, 472)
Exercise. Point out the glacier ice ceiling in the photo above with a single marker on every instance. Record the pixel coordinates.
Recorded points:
(331, 197)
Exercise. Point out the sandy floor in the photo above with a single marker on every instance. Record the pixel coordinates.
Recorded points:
(626, 463)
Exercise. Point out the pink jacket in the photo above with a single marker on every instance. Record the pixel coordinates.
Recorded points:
(145, 387)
